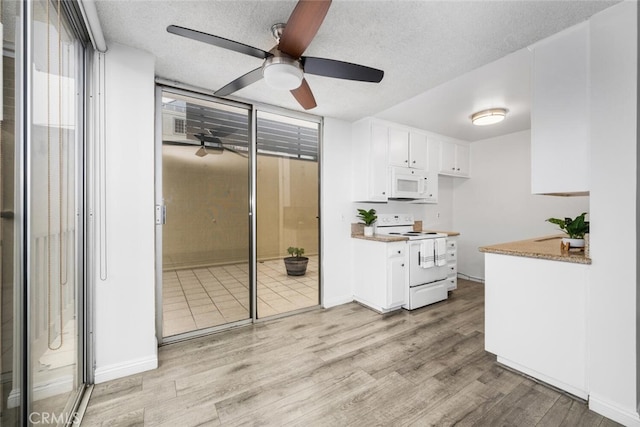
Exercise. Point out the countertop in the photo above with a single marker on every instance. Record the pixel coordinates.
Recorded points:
(357, 232)
(547, 247)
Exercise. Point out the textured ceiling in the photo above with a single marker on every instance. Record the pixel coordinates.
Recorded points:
(419, 44)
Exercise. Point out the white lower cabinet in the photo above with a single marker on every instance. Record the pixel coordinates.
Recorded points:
(535, 318)
(380, 274)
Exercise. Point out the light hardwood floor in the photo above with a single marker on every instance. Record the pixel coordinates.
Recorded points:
(343, 366)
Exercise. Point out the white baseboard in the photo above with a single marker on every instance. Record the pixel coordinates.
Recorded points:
(61, 385)
(611, 411)
(332, 302)
(569, 388)
(119, 370)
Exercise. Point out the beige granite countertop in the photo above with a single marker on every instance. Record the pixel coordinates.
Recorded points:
(547, 247)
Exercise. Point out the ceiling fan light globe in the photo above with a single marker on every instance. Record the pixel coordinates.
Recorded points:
(282, 74)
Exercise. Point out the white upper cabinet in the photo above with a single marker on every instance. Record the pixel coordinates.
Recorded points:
(454, 159)
(369, 163)
(418, 150)
(378, 144)
(560, 113)
(407, 148)
(398, 147)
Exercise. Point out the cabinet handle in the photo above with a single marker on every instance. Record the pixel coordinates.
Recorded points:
(413, 161)
(458, 169)
(398, 251)
(406, 161)
(453, 169)
(402, 265)
(384, 192)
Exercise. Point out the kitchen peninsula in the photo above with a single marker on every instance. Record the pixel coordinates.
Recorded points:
(535, 310)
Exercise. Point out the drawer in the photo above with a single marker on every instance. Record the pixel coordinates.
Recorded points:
(452, 256)
(452, 270)
(420, 296)
(452, 283)
(452, 244)
(396, 251)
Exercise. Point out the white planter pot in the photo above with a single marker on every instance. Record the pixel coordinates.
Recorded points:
(574, 243)
(368, 231)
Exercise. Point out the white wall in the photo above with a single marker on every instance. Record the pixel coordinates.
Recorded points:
(496, 204)
(336, 213)
(124, 315)
(613, 288)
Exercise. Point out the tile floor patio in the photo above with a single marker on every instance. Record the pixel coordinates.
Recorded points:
(205, 297)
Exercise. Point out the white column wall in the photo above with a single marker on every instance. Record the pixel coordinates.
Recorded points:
(124, 310)
(613, 288)
(337, 213)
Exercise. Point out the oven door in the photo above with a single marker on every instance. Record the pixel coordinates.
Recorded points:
(407, 183)
(417, 274)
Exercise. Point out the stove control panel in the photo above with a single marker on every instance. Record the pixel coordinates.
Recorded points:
(392, 220)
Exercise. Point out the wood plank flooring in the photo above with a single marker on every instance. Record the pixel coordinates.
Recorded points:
(343, 366)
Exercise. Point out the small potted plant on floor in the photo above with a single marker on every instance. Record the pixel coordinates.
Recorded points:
(576, 229)
(368, 218)
(295, 263)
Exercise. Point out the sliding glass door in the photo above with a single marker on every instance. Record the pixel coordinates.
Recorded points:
(54, 214)
(205, 239)
(11, 328)
(220, 229)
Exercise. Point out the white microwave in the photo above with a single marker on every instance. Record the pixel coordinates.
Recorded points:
(407, 183)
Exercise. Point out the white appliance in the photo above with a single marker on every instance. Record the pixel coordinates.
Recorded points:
(407, 183)
(427, 284)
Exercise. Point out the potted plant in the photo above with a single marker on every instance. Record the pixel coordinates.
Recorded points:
(576, 229)
(295, 263)
(368, 218)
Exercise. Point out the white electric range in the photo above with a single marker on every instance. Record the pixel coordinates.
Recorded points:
(426, 259)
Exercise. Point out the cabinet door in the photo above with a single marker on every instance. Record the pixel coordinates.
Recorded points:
(560, 113)
(396, 285)
(378, 167)
(462, 160)
(447, 158)
(418, 151)
(398, 147)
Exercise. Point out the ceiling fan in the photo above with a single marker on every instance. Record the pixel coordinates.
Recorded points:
(284, 66)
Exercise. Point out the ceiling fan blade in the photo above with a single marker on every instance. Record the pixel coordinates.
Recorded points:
(303, 24)
(207, 138)
(240, 82)
(221, 131)
(304, 96)
(341, 70)
(218, 41)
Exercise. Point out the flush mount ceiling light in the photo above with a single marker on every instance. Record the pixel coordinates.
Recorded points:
(281, 72)
(488, 117)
